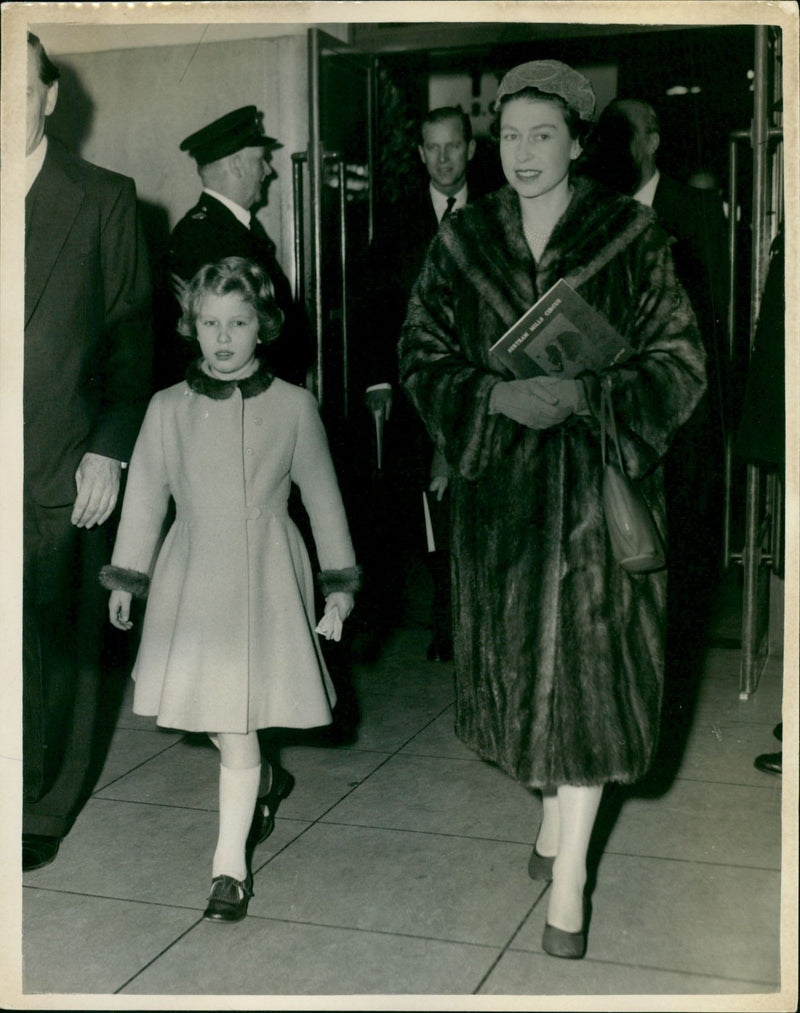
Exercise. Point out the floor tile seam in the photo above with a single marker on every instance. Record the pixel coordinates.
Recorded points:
(407, 751)
(387, 757)
(737, 722)
(137, 766)
(691, 861)
(655, 969)
(423, 833)
(682, 779)
(308, 923)
(109, 897)
(321, 818)
(157, 805)
(527, 844)
(255, 870)
(732, 784)
(158, 956)
(427, 725)
(510, 942)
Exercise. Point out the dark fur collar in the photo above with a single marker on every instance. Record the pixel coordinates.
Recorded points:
(201, 383)
(596, 226)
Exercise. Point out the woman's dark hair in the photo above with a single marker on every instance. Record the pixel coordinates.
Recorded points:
(578, 128)
(48, 71)
(444, 113)
(242, 277)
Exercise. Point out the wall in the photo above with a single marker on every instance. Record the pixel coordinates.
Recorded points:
(456, 89)
(129, 109)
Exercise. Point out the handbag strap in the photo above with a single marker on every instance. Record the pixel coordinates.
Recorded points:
(608, 424)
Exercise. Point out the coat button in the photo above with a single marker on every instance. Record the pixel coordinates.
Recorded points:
(258, 421)
(249, 451)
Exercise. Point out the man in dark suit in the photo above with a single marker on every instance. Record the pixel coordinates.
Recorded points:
(446, 147)
(88, 348)
(623, 154)
(234, 161)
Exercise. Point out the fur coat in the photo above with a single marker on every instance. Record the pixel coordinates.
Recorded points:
(559, 651)
(228, 641)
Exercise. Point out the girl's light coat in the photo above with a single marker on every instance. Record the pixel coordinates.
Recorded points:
(228, 641)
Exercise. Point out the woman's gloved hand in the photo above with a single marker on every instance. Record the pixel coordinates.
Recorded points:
(540, 402)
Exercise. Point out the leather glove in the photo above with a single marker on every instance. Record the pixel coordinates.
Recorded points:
(539, 403)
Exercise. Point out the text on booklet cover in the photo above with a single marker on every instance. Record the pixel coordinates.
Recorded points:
(560, 335)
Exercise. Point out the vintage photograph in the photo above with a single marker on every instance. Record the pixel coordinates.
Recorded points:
(400, 507)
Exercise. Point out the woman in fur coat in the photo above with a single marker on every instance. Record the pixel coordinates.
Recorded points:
(228, 643)
(559, 651)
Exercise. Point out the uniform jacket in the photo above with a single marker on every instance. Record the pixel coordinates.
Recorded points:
(559, 652)
(88, 338)
(228, 641)
(209, 232)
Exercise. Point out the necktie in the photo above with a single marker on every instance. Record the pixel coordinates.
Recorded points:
(450, 202)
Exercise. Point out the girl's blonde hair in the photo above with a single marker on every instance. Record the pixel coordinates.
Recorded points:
(233, 275)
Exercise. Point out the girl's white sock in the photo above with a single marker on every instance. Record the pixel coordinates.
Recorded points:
(238, 791)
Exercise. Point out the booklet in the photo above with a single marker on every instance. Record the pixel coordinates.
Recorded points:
(560, 335)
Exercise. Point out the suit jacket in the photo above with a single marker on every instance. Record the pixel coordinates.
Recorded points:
(209, 232)
(88, 337)
(396, 256)
(695, 220)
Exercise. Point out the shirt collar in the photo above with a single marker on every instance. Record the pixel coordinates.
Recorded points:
(647, 193)
(439, 200)
(34, 163)
(236, 209)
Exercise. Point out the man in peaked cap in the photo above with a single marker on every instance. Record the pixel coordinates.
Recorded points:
(233, 158)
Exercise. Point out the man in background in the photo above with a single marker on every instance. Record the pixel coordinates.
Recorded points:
(446, 147)
(622, 153)
(234, 162)
(88, 348)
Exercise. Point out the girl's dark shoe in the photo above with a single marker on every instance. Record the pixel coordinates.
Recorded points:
(267, 805)
(228, 899)
(540, 866)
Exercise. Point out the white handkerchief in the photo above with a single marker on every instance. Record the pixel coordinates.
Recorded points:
(330, 626)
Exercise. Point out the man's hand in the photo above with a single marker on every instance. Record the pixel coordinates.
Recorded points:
(438, 486)
(119, 609)
(179, 286)
(439, 476)
(379, 401)
(97, 481)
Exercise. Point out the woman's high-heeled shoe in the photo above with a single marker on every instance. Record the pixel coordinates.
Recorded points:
(540, 866)
(267, 805)
(569, 945)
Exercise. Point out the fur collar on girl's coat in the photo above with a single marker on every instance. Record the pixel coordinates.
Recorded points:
(201, 383)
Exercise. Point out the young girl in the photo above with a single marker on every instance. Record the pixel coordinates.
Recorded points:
(228, 643)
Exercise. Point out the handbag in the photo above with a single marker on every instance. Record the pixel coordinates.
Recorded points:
(635, 540)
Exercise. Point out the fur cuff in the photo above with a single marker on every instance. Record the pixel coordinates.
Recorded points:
(117, 578)
(348, 579)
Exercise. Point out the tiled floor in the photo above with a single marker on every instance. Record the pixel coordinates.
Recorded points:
(399, 865)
